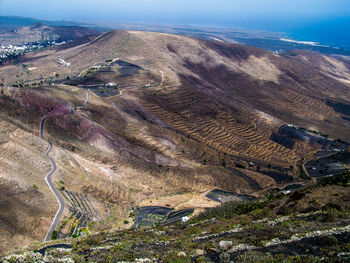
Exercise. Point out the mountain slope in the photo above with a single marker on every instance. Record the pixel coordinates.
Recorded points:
(309, 225)
(247, 78)
(170, 118)
(39, 32)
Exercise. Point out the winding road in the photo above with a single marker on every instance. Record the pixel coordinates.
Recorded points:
(48, 177)
(55, 192)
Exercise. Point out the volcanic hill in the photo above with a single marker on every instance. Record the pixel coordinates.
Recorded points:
(169, 119)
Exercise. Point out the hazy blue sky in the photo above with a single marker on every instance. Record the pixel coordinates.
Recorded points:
(312, 19)
(174, 11)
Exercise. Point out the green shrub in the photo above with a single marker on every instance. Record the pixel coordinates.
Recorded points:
(261, 213)
(330, 216)
(54, 235)
(173, 258)
(228, 210)
(93, 240)
(194, 230)
(341, 179)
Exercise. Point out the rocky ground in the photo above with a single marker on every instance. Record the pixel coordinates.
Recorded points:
(308, 225)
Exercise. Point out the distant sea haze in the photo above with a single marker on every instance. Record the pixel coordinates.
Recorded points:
(330, 32)
(330, 39)
(334, 33)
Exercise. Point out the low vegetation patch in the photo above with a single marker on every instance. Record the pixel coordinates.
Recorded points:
(229, 210)
(340, 179)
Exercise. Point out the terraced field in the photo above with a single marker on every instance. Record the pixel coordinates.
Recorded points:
(153, 215)
(215, 127)
(82, 211)
(315, 109)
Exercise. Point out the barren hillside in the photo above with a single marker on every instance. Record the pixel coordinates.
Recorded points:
(168, 115)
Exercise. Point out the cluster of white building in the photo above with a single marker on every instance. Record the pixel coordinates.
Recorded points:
(8, 51)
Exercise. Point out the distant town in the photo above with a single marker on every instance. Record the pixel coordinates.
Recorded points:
(13, 52)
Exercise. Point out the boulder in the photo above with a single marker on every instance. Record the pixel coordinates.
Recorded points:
(225, 245)
(181, 254)
(199, 252)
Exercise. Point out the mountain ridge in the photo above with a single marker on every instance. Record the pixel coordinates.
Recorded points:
(39, 32)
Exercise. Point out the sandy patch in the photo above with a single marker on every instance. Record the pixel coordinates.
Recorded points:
(95, 168)
(268, 119)
(260, 68)
(182, 201)
(336, 67)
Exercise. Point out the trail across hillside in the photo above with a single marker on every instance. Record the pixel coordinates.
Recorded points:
(48, 177)
(87, 97)
(161, 83)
